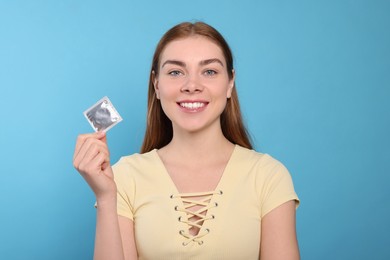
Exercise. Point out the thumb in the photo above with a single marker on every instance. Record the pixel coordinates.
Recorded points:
(102, 136)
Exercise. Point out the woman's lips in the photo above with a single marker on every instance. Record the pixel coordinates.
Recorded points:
(192, 106)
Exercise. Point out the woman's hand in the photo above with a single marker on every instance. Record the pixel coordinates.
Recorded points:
(92, 160)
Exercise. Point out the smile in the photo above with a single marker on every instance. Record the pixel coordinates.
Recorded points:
(192, 105)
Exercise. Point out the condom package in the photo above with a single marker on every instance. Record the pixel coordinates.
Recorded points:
(102, 116)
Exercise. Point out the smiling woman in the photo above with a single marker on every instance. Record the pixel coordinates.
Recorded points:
(193, 78)
(159, 128)
(197, 190)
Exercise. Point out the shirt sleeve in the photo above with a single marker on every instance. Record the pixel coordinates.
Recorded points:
(276, 185)
(125, 189)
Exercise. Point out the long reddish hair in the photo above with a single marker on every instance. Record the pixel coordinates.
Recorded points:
(159, 130)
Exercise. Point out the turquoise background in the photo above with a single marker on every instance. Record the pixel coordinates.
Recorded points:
(314, 83)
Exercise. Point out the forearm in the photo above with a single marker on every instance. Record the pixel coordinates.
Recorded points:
(108, 243)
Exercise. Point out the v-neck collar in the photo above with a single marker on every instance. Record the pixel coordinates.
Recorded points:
(225, 175)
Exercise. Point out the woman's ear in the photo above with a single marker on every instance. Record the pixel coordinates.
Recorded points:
(231, 84)
(155, 84)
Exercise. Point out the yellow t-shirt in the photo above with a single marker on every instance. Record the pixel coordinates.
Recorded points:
(251, 186)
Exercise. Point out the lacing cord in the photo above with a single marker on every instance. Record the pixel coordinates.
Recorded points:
(188, 203)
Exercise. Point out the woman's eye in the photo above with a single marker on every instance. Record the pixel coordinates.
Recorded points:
(175, 73)
(210, 72)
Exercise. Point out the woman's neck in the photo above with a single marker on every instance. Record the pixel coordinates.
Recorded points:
(198, 146)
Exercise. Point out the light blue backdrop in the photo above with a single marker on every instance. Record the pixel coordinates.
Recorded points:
(314, 83)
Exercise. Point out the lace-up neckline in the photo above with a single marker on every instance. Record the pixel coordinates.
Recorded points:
(196, 208)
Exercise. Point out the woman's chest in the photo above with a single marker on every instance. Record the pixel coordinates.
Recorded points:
(226, 221)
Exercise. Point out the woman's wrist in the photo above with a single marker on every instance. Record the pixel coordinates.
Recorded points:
(106, 202)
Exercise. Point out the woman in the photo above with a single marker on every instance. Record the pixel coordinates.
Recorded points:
(197, 190)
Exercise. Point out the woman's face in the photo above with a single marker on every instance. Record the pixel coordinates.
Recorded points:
(193, 84)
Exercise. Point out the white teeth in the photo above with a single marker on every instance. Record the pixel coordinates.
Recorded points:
(194, 105)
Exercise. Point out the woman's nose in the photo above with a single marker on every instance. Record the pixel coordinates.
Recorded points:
(192, 85)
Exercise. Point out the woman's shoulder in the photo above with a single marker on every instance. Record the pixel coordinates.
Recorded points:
(265, 169)
(137, 161)
(255, 157)
(137, 157)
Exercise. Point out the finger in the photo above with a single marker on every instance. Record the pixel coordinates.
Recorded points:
(82, 138)
(94, 150)
(103, 159)
(88, 152)
(102, 136)
(106, 163)
(81, 151)
(95, 166)
(80, 142)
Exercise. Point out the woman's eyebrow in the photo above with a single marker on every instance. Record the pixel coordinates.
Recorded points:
(202, 63)
(209, 61)
(174, 62)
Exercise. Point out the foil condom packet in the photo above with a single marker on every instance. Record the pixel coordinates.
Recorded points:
(102, 116)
